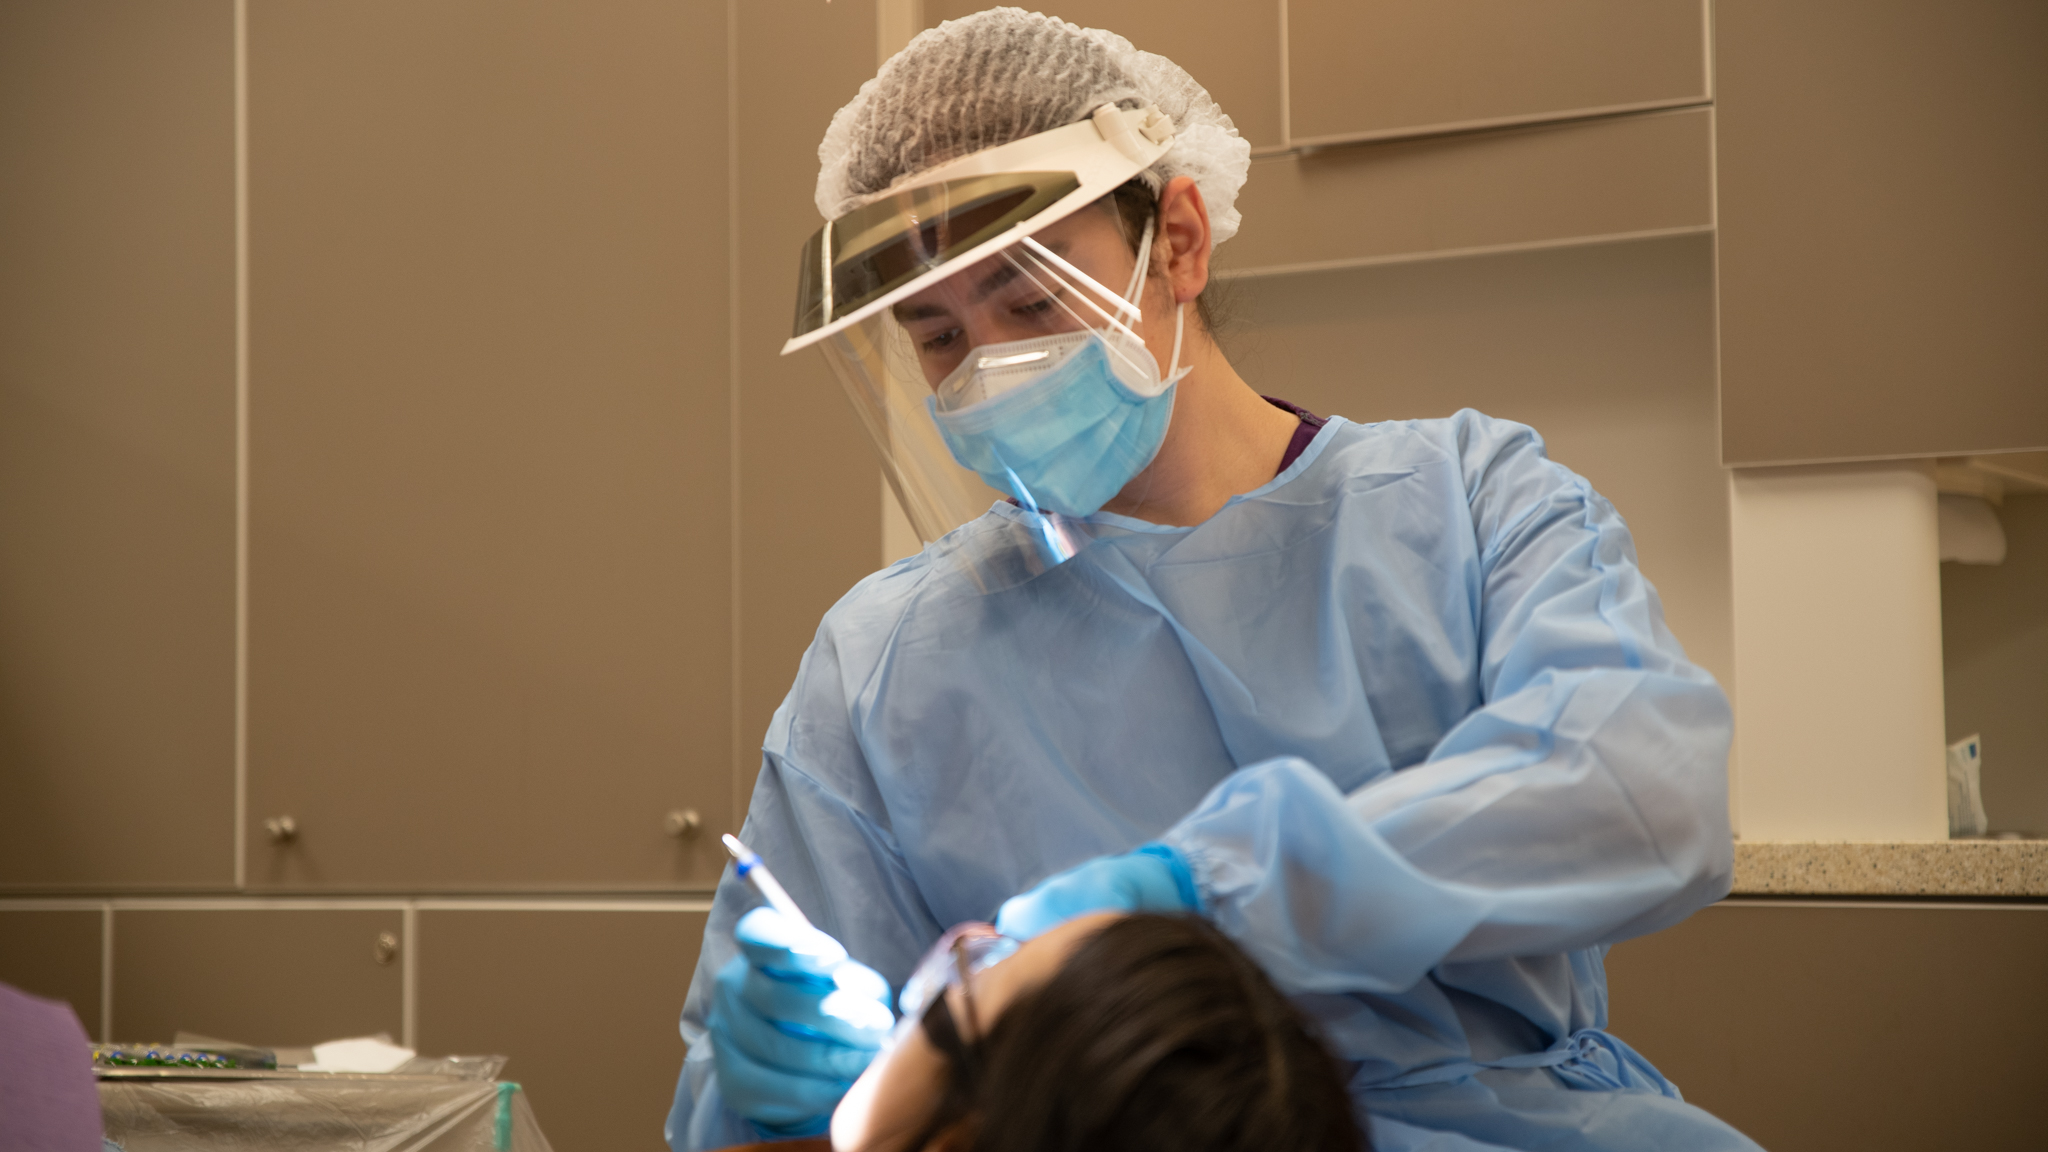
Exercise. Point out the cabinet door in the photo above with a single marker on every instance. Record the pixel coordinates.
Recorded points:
(263, 976)
(583, 1001)
(54, 953)
(1230, 47)
(117, 444)
(1883, 252)
(1360, 70)
(490, 598)
(1373, 203)
(1815, 1028)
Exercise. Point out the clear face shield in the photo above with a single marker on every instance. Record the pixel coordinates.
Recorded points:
(989, 330)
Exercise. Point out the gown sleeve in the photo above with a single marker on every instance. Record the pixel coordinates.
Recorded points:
(1584, 802)
(817, 821)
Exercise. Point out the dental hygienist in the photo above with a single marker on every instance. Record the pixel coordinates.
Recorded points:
(1390, 703)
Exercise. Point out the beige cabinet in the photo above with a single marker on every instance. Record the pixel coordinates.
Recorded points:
(583, 1001)
(117, 444)
(1814, 1028)
(1883, 252)
(54, 952)
(1371, 70)
(523, 472)
(267, 976)
(1525, 187)
(490, 494)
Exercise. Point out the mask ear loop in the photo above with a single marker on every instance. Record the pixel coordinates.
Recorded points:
(1174, 371)
(1136, 288)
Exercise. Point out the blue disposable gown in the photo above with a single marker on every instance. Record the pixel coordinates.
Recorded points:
(1410, 711)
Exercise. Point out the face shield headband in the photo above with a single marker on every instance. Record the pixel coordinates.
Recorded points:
(904, 239)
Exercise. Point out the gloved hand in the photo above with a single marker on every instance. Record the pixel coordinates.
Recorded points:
(1150, 878)
(793, 1023)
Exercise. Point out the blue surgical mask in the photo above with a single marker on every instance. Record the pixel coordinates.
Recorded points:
(1061, 422)
(1072, 438)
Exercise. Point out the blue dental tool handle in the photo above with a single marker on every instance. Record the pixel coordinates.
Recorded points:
(748, 865)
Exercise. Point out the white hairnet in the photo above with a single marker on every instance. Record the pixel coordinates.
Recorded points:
(1004, 74)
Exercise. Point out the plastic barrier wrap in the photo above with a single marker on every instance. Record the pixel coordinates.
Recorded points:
(405, 1111)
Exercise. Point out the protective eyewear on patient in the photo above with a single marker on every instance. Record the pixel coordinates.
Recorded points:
(962, 953)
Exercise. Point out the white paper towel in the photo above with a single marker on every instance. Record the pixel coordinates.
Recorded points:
(361, 1054)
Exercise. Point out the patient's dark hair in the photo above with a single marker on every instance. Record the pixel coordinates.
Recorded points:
(1157, 1033)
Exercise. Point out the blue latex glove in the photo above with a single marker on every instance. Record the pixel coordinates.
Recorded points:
(793, 1023)
(1151, 878)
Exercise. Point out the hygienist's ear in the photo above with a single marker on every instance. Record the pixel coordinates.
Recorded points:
(1183, 231)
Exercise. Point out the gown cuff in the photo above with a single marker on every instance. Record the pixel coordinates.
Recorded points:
(1177, 864)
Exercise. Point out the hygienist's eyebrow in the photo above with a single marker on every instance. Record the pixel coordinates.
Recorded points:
(988, 285)
(1009, 272)
(991, 282)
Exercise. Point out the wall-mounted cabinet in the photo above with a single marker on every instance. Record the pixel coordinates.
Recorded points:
(117, 444)
(1883, 251)
(490, 492)
(495, 490)
(1371, 203)
(1361, 71)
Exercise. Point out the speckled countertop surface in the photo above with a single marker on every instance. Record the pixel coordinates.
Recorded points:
(1894, 868)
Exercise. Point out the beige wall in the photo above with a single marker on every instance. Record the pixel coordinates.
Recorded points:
(1995, 665)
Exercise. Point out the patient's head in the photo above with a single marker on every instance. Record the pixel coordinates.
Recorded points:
(1109, 1032)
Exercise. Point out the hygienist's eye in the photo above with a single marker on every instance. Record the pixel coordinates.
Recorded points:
(940, 342)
